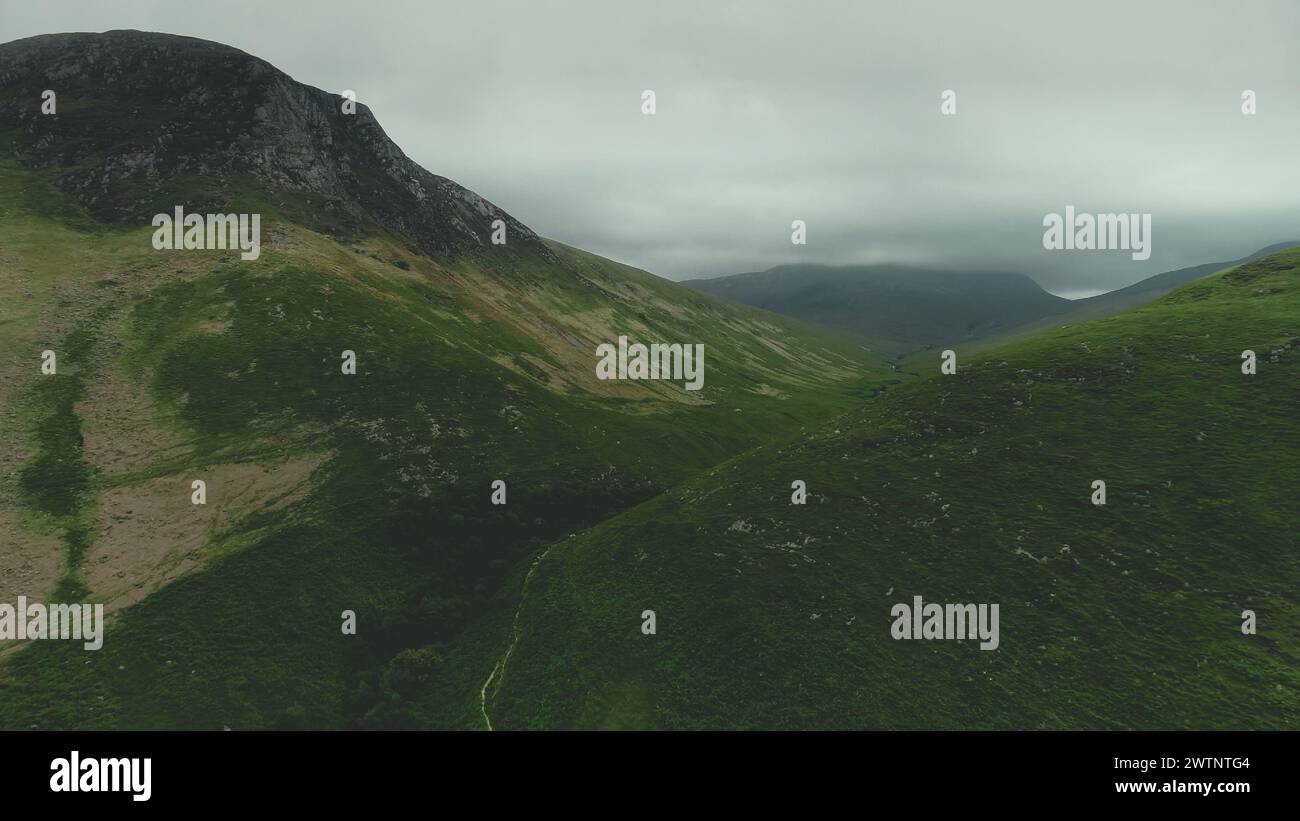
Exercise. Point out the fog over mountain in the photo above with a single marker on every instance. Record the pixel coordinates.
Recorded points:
(912, 307)
(827, 113)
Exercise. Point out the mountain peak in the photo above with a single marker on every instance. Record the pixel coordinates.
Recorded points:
(145, 121)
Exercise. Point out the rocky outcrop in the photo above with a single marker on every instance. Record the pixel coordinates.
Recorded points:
(148, 121)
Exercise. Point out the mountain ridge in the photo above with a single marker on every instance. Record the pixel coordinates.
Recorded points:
(365, 490)
(911, 306)
(370, 492)
(927, 307)
(129, 140)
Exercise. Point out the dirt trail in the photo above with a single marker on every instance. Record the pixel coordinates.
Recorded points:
(514, 639)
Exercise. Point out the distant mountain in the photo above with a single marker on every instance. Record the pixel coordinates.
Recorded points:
(918, 307)
(911, 306)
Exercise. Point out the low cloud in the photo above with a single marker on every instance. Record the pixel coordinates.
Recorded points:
(825, 112)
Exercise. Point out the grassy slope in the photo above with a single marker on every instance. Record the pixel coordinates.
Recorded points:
(466, 373)
(1086, 310)
(915, 361)
(969, 488)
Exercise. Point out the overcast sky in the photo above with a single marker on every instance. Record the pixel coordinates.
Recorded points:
(770, 111)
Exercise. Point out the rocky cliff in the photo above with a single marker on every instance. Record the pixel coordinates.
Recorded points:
(147, 121)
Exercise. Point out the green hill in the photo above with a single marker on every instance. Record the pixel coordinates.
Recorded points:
(326, 492)
(329, 492)
(371, 492)
(968, 488)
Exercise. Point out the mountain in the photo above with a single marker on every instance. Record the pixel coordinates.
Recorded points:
(327, 492)
(495, 519)
(975, 487)
(145, 121)
(910, 308)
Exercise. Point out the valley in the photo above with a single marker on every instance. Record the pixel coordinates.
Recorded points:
(495, 458)
(974, 487)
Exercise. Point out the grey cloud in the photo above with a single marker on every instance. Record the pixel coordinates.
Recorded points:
(826, 112)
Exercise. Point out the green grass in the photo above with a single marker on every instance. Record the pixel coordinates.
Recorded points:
(460, 381)
(972, 488)
(969, 488)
